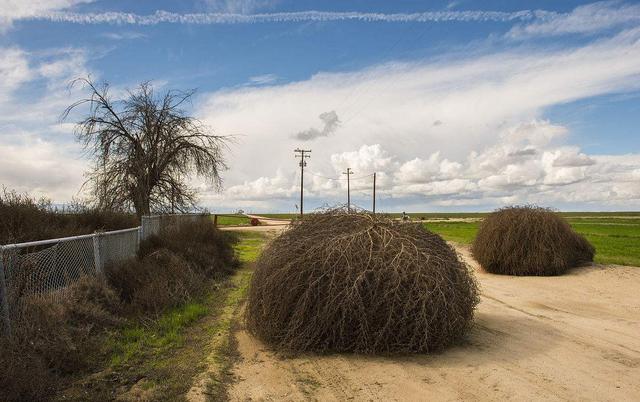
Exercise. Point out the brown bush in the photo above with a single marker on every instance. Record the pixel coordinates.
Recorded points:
(529, 240)
(25, 376)
(23, 218)
(53, 335)
(360, 283)
(174, 267)
(209, 249)
(159, 280)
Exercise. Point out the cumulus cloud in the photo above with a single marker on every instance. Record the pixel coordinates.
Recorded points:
(573, 160)
(494, 147)
(553, 175)
(39, 154)
(330, 123)
(42, 168)
(14, 70)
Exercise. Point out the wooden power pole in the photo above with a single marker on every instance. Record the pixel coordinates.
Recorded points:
(348, 173)
(302, 154)
(374, 193)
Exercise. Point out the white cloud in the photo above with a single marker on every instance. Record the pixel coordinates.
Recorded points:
(39, 154)
(12, 10)
(492, 147)
(608, 181)
(43, 168)
(464, 131)
(263, 79)
(14, 71)
(584, 19)
(240, 6)
(124, 35)
(159, 17)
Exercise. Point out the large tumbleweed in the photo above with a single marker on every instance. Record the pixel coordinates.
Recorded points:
(360, 283)
(529, 240)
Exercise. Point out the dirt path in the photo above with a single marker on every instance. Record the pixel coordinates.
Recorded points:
(574, 337)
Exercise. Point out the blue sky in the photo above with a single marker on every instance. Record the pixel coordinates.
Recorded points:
(458, 105)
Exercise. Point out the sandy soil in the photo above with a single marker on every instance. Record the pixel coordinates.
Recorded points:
(575, 337)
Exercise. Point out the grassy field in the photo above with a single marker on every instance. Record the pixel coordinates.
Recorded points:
(280, 216)
(615, 235)
(617, 240)
(232, 220)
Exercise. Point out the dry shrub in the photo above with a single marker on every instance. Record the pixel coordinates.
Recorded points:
(92, 302)
(529, 240)
(24, 218)
(53, 335)
(24, 375)
(158, 280)
(360, 283)
(174, 267)
(208, 249)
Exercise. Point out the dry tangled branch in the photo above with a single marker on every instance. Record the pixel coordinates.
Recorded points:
(529, 240)
(360, 283)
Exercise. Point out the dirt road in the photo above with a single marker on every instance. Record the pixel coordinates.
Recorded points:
(574, 337)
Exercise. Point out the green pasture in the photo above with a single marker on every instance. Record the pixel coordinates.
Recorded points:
(617, 240)
(615, 235)
(232, 220)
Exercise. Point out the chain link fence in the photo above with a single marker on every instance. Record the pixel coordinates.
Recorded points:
(48, 266)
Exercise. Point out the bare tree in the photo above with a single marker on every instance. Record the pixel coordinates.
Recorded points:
(145, 149)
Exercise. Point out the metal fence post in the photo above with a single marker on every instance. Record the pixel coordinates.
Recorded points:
(4, 302)
(143, 227)
(97, 261)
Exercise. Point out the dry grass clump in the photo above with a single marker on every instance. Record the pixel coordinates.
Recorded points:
(173, 268)
(360, 283)
(529, 240)
(155, 282)
(53, 336)
(207, 248)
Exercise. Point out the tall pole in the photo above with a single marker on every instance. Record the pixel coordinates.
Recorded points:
(302, 154)
(374, 193)
(348, 173)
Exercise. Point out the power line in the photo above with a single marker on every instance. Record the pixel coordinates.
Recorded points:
(384, 88)
(361, 90)
(374, 193)
(340, 179)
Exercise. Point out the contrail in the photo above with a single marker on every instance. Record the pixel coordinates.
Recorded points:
(120, 18)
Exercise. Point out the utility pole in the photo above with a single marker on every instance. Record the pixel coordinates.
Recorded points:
(348, 173)
(374, 193)
(302, 154)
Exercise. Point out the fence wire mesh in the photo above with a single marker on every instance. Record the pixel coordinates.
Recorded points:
(47, 267)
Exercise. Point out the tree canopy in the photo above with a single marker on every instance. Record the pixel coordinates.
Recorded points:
(146, 148)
